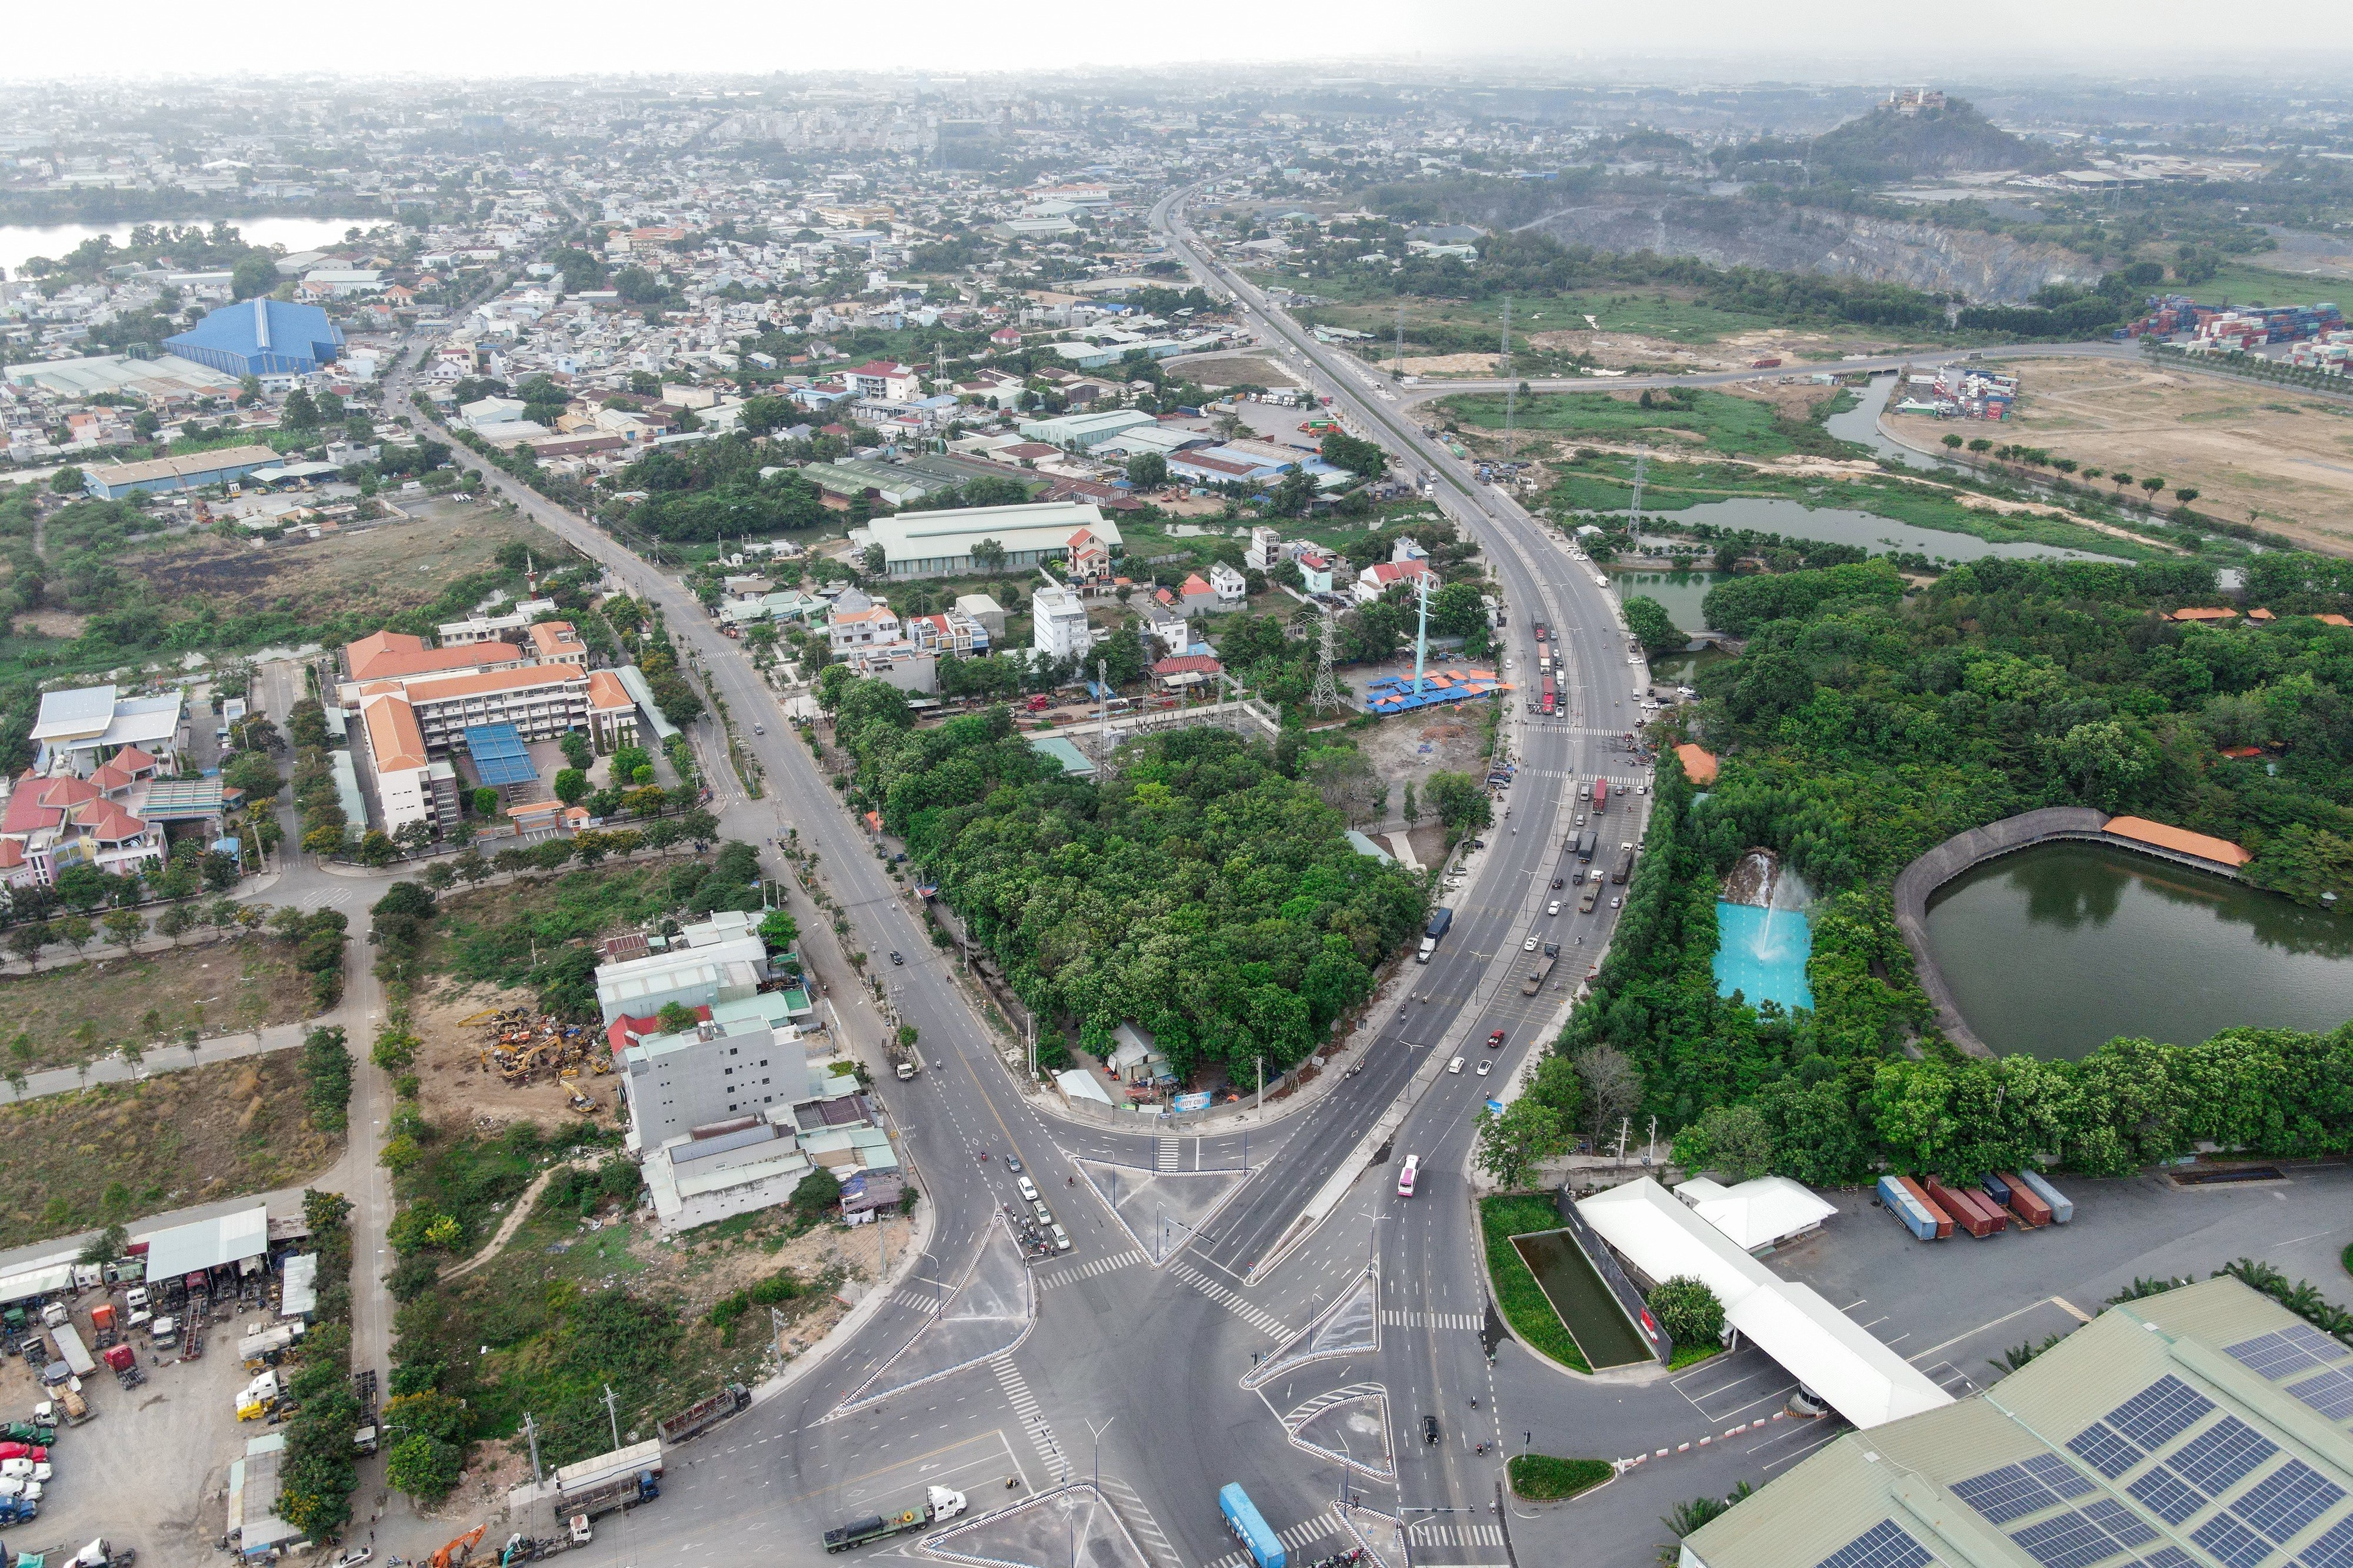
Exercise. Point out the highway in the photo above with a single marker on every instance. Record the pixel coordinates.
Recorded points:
(1428, 1249)
(1130, 1350)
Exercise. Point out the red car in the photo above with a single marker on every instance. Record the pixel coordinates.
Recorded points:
(33, 1451)
(1496, 1041)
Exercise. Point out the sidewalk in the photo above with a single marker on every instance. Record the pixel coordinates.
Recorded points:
(117, 1069)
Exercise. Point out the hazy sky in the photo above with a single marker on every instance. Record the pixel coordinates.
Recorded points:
(1810, 38)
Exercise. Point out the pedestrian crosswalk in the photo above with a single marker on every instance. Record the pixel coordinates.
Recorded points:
(1300, 1417)
(1324, 1526)
(1446, 1532)
(1394, 1318)
(1026, 1406)
(1129, 1506)
(1167, 1160)
(1264, 1322)
(1089, 1269)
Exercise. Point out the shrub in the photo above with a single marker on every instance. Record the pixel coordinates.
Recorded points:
(1688, 1311)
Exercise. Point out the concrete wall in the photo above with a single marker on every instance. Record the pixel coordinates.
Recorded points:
(1917, 881)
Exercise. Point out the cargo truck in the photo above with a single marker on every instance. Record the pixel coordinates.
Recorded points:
(1600, 794)
(939, 1504)
(1590, 896)
(704, 1413)
(1439, 920)
(1537, 976)
(1624, 866)
(624, 1491)
(1587, 842)
(69, 1346)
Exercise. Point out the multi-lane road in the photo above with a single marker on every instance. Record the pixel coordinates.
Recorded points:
(1126, 1355)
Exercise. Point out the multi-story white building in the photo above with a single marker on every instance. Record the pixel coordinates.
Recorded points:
(1058, 628)
(1265, 552)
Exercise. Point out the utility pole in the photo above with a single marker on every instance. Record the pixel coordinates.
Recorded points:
(1421, 628)
(1641, 472)
(1400, 339)
(613, 1413)
(776, 1333)
(1259, 1063)
(531, 1431)
(1511, 383)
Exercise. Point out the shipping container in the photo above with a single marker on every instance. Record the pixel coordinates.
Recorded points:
(2061, 1210)
(2032, 1211)
(1996, 1219)
(1928, 1205)
(1970, 1212)
(1908, 1212)
(1996, 1188)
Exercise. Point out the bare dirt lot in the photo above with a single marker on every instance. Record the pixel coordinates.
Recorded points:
(70, 1162)
(385, 568)
(454, 1085)
(1236, 370)
(2253, 453)
(149, 999)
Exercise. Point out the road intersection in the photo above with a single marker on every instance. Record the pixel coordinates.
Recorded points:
(1124, 1359)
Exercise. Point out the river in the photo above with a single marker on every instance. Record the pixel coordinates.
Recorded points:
(2053, 950)
(18, 241)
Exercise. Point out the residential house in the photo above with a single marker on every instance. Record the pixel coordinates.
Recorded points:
(880, 378)
(1230, 586)
(1058, 628)
(1265, 552)
(1381, 576)
(857, 621)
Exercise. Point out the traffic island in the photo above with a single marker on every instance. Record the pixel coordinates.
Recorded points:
(988, 1313)
(1071, 1523)
(1541, 1478)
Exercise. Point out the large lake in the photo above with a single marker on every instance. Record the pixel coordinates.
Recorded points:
(1841, 525)
(2054, 950)
(18, 241)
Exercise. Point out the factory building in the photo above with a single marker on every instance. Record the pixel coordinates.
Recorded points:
(261, 337)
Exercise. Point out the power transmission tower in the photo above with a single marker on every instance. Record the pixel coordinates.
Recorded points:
(1326, 693)
(1399, 370)
(1511, 386)
(1641, 472)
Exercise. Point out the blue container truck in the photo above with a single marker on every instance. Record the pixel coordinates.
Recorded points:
(2061, 1210)
(1906, 1209)
(1242, 1519)
(1439, 920)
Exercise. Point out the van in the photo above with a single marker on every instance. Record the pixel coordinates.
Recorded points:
(1406, 1174)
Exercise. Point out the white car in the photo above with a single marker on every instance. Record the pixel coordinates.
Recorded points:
(1454, 1065)
(24, 1469)
(1028, 1189)
(1485, 1067)
(1613, 903)
(1529, 946)
(1551, 909)
(1061, 1239)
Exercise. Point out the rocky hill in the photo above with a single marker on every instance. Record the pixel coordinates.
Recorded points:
(1888, 145)
(1984, 268)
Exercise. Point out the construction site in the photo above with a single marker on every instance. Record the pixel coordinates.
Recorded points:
(485, 1058)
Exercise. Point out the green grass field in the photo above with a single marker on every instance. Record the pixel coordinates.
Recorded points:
(1473, 326)
(1606, 484)
(1715, 422)
(1517, 1295)
(2241, 283)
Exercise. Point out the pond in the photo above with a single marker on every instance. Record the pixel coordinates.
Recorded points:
(2055, 950)
(1583, 1303)
(1841, 525)
(1860, 424)
(18, 241)
(1679, 593)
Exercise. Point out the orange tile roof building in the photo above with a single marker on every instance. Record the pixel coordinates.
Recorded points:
(1699, 765)
(2179, 840)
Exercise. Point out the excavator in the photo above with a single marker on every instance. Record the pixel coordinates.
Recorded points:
(458, 1550)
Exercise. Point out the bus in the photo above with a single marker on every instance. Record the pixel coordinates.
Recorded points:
(1406, 1174)
(1242, 1517)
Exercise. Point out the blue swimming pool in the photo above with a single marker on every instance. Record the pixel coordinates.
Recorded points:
(1761, 953)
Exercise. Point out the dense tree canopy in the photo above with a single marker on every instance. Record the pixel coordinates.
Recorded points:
(1858, 730)
(1198, 892)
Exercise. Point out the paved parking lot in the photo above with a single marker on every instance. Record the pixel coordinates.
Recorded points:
(1950, 1307)
(150, 1469)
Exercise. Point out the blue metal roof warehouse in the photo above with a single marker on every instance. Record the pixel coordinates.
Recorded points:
(261, 337)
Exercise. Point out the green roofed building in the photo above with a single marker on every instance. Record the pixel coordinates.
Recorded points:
(2205, 1427)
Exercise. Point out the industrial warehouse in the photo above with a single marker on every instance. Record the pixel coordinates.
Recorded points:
(2204, 1425)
